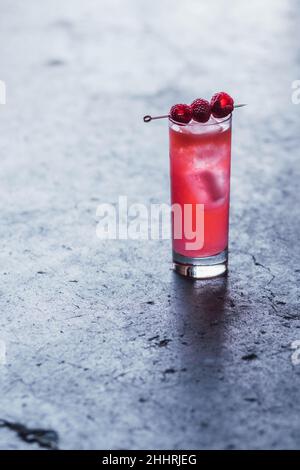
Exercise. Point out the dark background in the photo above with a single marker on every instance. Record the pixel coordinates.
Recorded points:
(106, 347)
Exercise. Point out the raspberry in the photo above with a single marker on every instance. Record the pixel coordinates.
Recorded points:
(201, 110)
(181, 113)
(221, 105)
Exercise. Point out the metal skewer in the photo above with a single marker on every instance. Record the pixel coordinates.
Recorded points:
(149, 118)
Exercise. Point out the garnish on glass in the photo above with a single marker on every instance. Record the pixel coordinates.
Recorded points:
(200, 110)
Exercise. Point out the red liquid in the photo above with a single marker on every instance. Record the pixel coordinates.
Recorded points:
(200, 174)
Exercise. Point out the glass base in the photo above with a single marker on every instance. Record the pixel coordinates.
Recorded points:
(201, 268)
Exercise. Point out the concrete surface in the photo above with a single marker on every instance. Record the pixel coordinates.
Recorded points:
(106, 347)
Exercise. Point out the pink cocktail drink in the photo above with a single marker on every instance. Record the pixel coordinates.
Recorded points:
(200, 157)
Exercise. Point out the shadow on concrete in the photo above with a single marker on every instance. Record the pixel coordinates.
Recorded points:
(200, 308)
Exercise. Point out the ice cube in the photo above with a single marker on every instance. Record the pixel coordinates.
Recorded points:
(207, 186)
(211, 126)
(209, 155)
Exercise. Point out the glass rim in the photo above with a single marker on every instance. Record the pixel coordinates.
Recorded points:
(225, 119)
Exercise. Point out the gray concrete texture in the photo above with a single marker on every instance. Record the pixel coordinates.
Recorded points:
(106, 346)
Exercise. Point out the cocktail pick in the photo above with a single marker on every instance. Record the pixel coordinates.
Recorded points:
(149, 118)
